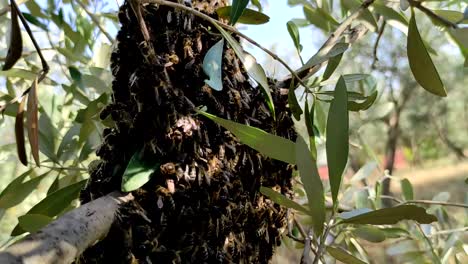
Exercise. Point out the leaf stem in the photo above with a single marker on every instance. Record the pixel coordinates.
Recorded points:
(429, 243)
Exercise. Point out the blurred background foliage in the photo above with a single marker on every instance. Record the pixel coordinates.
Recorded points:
(77, 37)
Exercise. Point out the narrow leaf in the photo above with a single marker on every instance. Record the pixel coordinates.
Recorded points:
(309, 121)
(364, 172)
(343, 256)
(355, 106)
(337, 137)
(294, 33)
(137, 173)
(323, 55)
(13, 196)
(293, 103)
(420, 62)
(312, 184)
(392, 215)
(370, 233)
(54, 204)
(16, 42)
(251, 66)
(270, 145)
(19, 132)
(282, 200)
(32, 122)
(212, 65)
(15, 183)
(238, 7)
(393, 18)
(331, 66)
(33, 222)
(404, 4)
(249, 16)
(407, 189)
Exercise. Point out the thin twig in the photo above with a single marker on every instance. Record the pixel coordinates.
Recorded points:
(429, 202)
(429, 243)
(229, 28)
(45, 66)
(431, 14)
(450, 231)
(96, 21)
(305, 259)
(323, 238)
(376, 45)
(305, 72)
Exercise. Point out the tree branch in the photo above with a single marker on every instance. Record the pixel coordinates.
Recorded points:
(66, 238)
(305, 72)
(229, 28)
(96, 21)
(431, 14)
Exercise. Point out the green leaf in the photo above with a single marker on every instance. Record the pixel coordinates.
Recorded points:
(312, 184)
(76, 76)
(54, 204)
(33, 222)
(364, 172)
(331, 66)
(293, 103)
(14, 184)
(294, 33)
(407, 189)
(355, 106)
(13, 196)
(238, 7)
(394, 232)
(323, 56)
(137, 173)
(392, 215)
(421, 63)
(251, 66)
(249, 16)
(343, 256)
(452, 16)
(270, 145)
(404, 4)
(47, 135)
(320, 117)
(282, 200)
(309, 121)
(370, 233)
(69, 145)
(393, 18)
(212, 66)
(337, 137)
(315, 17)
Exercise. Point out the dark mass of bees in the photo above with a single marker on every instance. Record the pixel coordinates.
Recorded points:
(202, 204)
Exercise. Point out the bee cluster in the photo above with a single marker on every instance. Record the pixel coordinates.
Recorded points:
(202, 204)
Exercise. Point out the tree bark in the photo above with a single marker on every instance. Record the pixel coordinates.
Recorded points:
(63, 240)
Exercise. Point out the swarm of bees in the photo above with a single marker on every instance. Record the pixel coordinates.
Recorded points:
(202, 204)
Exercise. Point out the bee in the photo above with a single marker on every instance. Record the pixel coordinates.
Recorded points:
(188, 22)
(199, 43)
(168, 168)
(188, 51)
